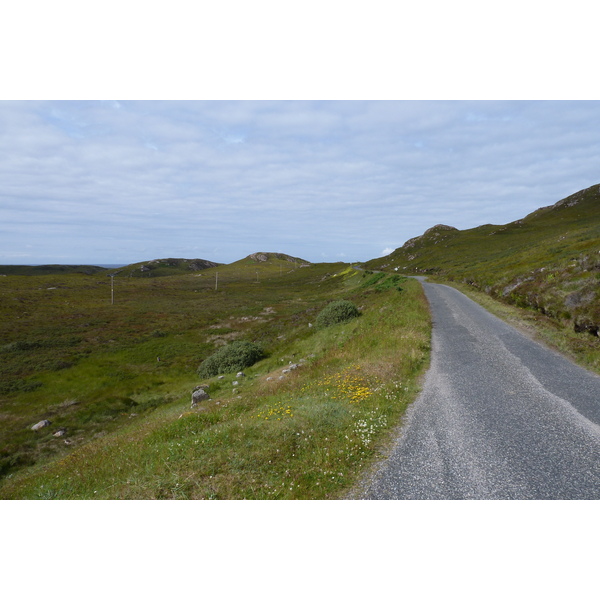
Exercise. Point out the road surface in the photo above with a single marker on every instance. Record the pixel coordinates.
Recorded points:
(499, 417)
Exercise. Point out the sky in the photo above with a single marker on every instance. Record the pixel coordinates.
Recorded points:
(115, 181)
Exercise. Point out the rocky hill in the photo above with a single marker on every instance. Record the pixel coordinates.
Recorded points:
(548, 260)
(166, 266)
(270, 257)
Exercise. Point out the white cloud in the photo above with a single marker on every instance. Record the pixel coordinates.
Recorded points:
(386, 251)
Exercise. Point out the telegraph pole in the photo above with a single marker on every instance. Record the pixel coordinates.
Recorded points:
(216, 281)
(112, 287)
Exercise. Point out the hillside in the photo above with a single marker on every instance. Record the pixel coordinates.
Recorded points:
(164, 267)
(272, 258)
(548, 261)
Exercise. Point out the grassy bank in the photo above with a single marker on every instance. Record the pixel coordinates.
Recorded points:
(306, 433)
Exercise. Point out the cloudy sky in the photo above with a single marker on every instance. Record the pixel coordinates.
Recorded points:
(322, 130)
(125, 181)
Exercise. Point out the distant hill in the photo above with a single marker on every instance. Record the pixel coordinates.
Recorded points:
(161, 267)
(164, 267)
(271, 257)
(49, 269)
(549, 260)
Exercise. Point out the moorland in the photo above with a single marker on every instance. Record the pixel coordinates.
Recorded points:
(113, 373)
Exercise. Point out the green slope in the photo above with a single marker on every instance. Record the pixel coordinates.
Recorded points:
(549, 260)
(114, 381)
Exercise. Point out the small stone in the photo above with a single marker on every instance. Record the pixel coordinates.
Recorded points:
(241, 374)
(236, 383)
(269, 379)
(60, 432)
(221, 377)
(40, 425)
(198, 396)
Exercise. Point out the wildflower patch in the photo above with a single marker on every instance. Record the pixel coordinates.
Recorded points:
(349, 384)
(275, 413)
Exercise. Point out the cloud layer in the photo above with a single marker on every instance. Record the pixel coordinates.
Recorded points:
(118, 182)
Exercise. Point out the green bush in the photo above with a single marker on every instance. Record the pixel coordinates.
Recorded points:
(233, 357)
(339, 311)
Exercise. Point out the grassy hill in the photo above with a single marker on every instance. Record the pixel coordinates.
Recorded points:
(548, 261)
(164, 267)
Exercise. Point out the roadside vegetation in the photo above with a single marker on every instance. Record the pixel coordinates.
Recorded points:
(308, 416)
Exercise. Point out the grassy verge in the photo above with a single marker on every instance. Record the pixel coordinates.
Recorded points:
(307, 433)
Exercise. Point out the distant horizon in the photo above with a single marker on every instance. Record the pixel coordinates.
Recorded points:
(342, 259)
(69, 264)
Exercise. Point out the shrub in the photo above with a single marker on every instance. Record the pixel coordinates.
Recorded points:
(339, 311)
(233, 357)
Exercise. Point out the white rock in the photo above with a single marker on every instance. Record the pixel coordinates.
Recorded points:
(198, 396)
(39, 425)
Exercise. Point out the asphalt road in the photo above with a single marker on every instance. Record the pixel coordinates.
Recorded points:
(499, 417)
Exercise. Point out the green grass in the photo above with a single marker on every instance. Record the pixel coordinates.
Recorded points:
(128, 418)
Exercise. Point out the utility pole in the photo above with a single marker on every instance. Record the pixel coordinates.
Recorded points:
(112, 286)
(216, 281)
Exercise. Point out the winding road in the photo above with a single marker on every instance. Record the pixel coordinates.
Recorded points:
(499, 417)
